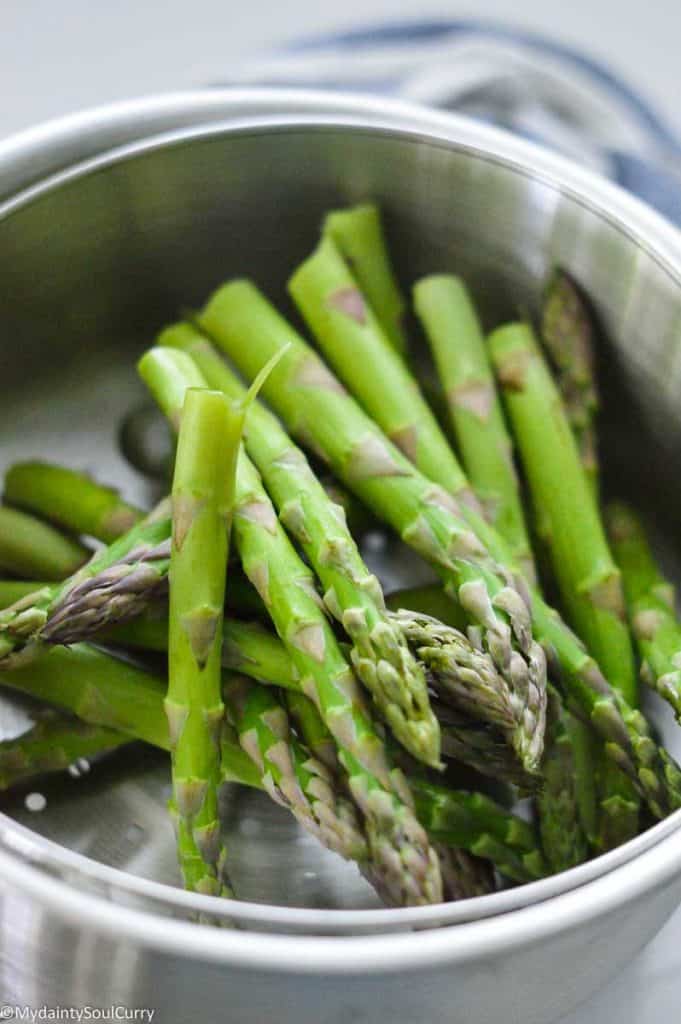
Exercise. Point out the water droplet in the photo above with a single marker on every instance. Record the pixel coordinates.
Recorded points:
(84, 765)
(74, 771)
(35, 802)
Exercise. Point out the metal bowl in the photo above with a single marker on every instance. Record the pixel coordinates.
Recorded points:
(111, 221)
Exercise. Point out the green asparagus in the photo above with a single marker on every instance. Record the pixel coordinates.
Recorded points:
(203, 501)
(70, 499)
(338, 315)
(358, 233)
(380, 654)
(451, 325)
(567, 333)
(562, 835)
(319, 412)
(650, 604)
(587, 576)
(29, 547)
(287, 588)
(53, 743)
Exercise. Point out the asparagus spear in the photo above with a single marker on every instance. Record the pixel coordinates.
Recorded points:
(338, 315)
(52, 744)
(115, 584)
(567, 333)
(562, 836)
(423, 514)
(467, 677)
(456, 339)
(263, 729)
(287, 588)
(358, 233)
(463, 875)
(319, 412)
(203, 501)
(380, 654)
(650, 604)
(70, 499)
(454, 817)
(311, 728)
(106, 691)
(30, 547)
(483, 748)
(587, 576)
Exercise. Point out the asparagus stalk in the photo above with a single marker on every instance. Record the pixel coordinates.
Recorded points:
(650, 604)
(588, 579)
(463, 875)
(562, 836)
(52, 744)
(115, 584)
(263, 729)
(453, 330)
(319, 412)
(287, 588)
(567, 333)
(453, 817)
(338, 315)
(424, 515)
(71, 499)
(358, 234)
(312, 729)
(203, 500)
(106, 691)
(469, 680)
(380, 654)
(483, 748)
(32, 548)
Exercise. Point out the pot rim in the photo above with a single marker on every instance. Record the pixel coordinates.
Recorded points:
(315, 111)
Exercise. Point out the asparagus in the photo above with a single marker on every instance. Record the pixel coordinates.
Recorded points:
(483, 748)
(455, 817)
(358, 233)
(562, 836)
(71, 499)
(106, 691)
(588, 579)
(263, 729)
(287, 588)
(329, 299)
(650, 604)
(567, 333)
(319, 412)
(203, 501)
(463, 875)
(32, 548)
(380, 654)
(424, 515)
(52, 744)
(455, 336)
(114, 585)
(310, 726)
(468, 678)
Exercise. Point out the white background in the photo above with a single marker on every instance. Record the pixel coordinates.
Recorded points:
(57, 56)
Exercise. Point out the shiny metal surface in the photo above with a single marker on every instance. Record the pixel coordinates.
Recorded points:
(94, 260)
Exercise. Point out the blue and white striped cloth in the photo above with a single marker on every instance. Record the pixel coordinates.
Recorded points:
(530, 85)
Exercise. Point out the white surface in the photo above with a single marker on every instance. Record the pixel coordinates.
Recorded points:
(57, 56)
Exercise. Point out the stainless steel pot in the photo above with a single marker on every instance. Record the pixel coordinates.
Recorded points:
(109, 222)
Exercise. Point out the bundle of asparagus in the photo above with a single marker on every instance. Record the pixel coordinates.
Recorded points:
(379, 724)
